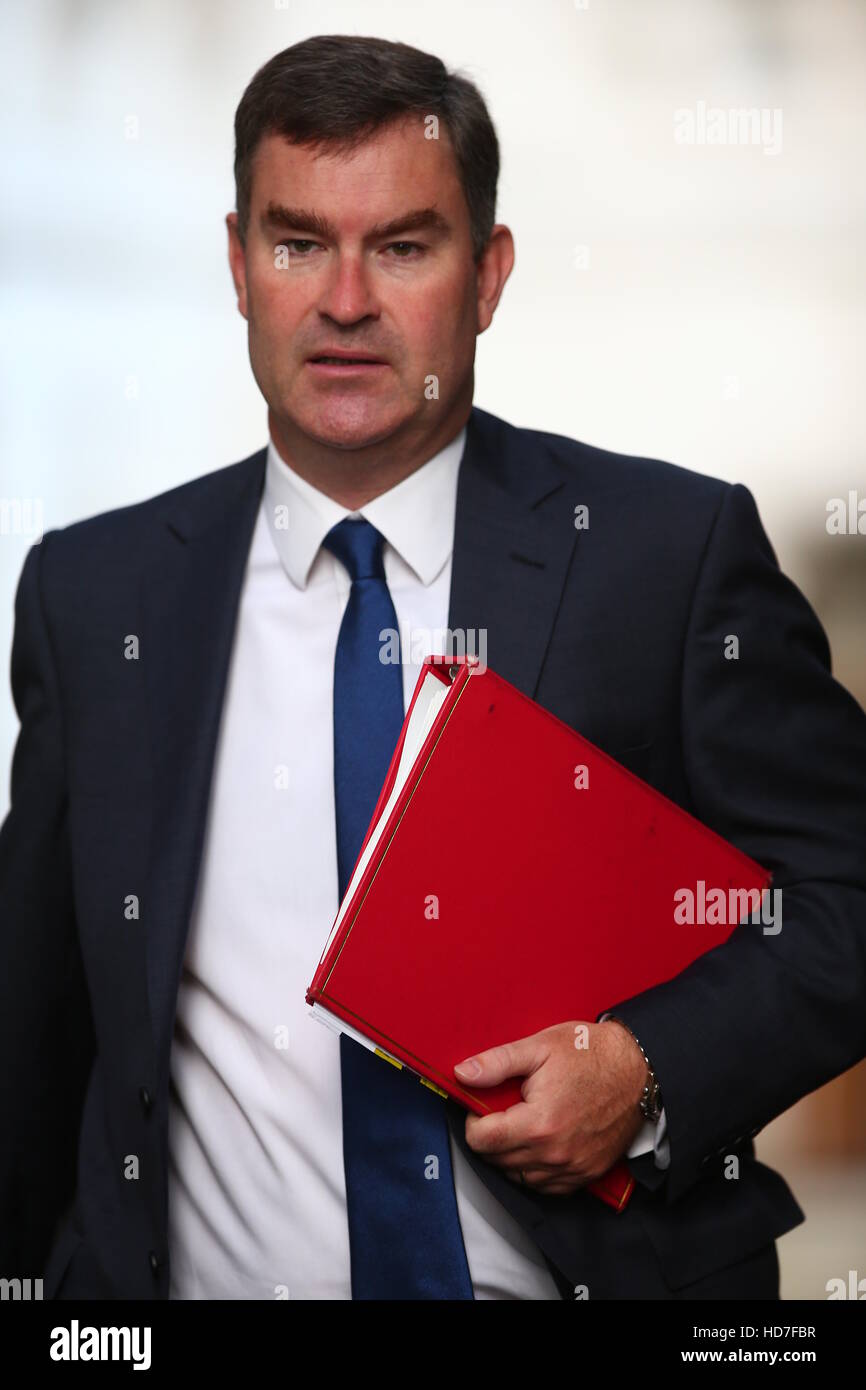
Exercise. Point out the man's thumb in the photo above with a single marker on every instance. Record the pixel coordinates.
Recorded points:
(497, 1063)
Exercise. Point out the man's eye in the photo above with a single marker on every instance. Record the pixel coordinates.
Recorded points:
(301, 247)
(298, 246)
(404, 249)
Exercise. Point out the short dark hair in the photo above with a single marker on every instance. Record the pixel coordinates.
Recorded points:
(337, 90)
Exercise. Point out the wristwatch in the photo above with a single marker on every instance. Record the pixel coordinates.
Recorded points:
(650, 1103)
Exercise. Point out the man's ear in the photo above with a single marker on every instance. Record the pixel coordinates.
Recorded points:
(494, 268)
(237, 262)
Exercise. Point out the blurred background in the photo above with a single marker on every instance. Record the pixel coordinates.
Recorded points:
(689, 285)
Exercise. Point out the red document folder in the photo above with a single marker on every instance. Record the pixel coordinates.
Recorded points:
(514, 876)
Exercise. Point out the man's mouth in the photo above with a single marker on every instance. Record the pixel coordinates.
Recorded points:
(349, 361)
(340, 365)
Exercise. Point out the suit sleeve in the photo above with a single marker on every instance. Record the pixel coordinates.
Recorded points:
(46, 1037)
(775, 756)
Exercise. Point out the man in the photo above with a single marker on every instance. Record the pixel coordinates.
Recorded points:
(205, 719)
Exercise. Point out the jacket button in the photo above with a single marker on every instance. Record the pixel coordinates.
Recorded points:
(155, 1263)
(146, 1099)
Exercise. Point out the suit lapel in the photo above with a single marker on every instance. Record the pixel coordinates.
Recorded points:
(513, 541)
(190, 602)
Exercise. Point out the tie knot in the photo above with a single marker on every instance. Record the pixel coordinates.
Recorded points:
(358, 546)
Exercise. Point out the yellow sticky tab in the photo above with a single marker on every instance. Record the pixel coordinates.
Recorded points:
(385, 1057)
(437, 1089)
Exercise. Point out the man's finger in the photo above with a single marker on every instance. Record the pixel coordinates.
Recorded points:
(496, 1064)
(514, 1132)
(504, 1132)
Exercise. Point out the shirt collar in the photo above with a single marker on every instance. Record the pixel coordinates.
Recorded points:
(416, 516)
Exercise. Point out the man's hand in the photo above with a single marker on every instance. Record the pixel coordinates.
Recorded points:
(579, 1111)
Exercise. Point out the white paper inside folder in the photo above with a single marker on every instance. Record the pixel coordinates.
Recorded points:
(431, 698)
(336, 1025)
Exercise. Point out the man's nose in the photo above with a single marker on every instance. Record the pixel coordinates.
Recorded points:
(348, 294)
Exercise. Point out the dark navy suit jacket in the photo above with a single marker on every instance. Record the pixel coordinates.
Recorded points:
(619, 629)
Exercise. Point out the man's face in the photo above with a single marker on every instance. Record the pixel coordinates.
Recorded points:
(369, 254)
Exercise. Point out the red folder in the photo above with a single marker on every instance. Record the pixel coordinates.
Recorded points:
(514, 876)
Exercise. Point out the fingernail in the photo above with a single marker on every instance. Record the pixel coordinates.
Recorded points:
(470, 1068)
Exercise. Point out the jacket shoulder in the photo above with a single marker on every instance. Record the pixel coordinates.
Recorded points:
(604, 469)
(122, 526)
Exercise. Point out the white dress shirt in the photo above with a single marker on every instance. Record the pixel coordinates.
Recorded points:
(257, 1196)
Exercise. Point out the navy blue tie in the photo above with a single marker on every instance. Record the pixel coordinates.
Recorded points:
(404, 1228)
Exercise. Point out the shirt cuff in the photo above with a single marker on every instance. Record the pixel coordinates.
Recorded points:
(653, 1136)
